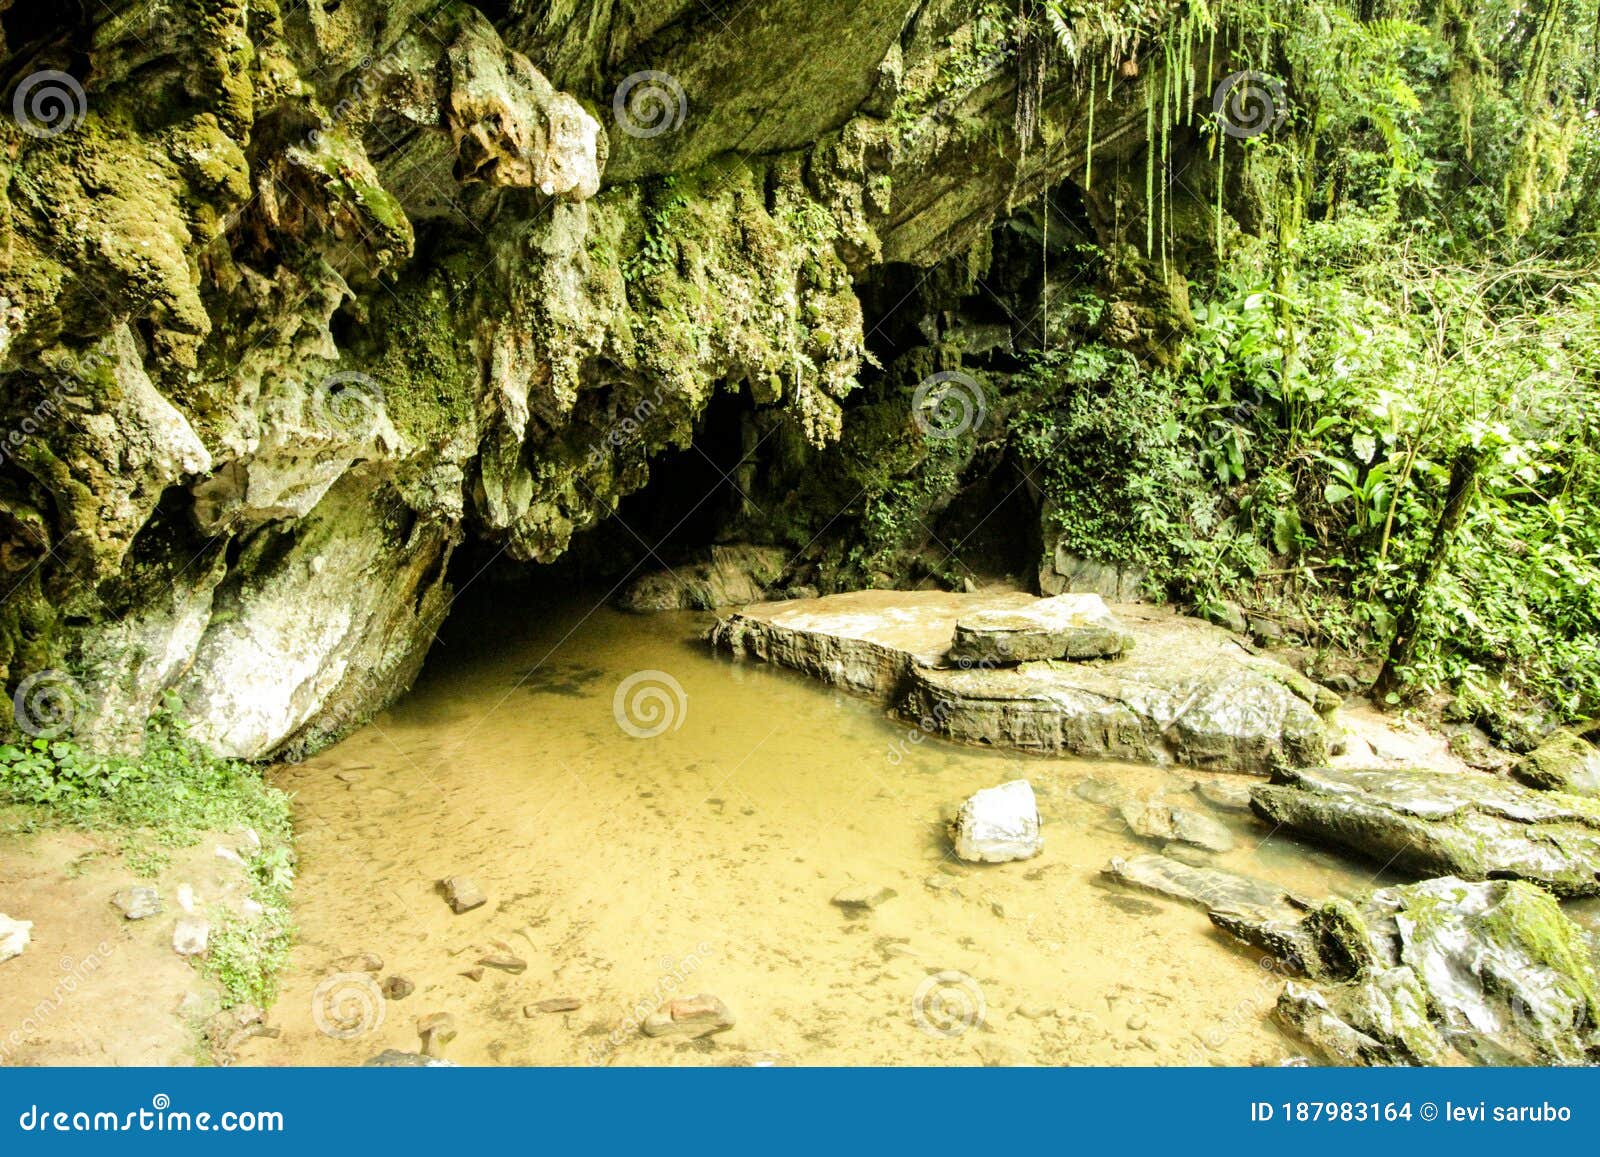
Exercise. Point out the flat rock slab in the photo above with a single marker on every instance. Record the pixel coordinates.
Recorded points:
(1252, 910)
(1187, 693)
(1462, 824)
(1072, 627)
(1158, 820)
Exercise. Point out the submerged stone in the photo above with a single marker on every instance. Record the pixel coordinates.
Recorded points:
(462, 893)
(1161, 821)
(692, 1016)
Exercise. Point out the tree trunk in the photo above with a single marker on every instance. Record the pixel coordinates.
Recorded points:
(1463, 481)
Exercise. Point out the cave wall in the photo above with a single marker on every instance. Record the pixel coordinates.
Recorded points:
(295, 299)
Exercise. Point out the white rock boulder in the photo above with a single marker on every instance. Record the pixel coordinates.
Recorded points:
(13, 936)
(998, 824)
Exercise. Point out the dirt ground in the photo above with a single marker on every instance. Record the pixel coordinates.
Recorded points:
(93, 988)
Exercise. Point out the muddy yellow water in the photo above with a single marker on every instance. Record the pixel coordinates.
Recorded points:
(627, 868)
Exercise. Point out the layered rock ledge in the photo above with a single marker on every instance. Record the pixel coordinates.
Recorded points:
(1185, 692)
(1443, 823)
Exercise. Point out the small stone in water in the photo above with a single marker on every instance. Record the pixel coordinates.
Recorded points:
(504, 961)
(693, 1016)
(359, 962)
(862, 897)
(554, 1004)
(1033, 1010)
(436, 1030)
(397, 987)
(473, 973)
(1137, 1021)
(138, 902)
(462, 893)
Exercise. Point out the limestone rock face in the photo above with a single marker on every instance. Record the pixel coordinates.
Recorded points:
(1185, 693)
(1463, 824)
(299, 300)
(998, 824)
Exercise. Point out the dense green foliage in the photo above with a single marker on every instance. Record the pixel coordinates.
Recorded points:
(1422, 281)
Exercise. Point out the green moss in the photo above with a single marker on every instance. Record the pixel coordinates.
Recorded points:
(422, 361)
(1531, 918)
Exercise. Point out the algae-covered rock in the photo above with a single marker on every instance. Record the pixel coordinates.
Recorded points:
(1449, 972)
(1565, 762)
(1463, 824)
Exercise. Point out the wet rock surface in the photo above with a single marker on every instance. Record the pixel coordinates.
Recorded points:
(1448, 972)
(1443, 823)
(1258, 911)
(1186, 693)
